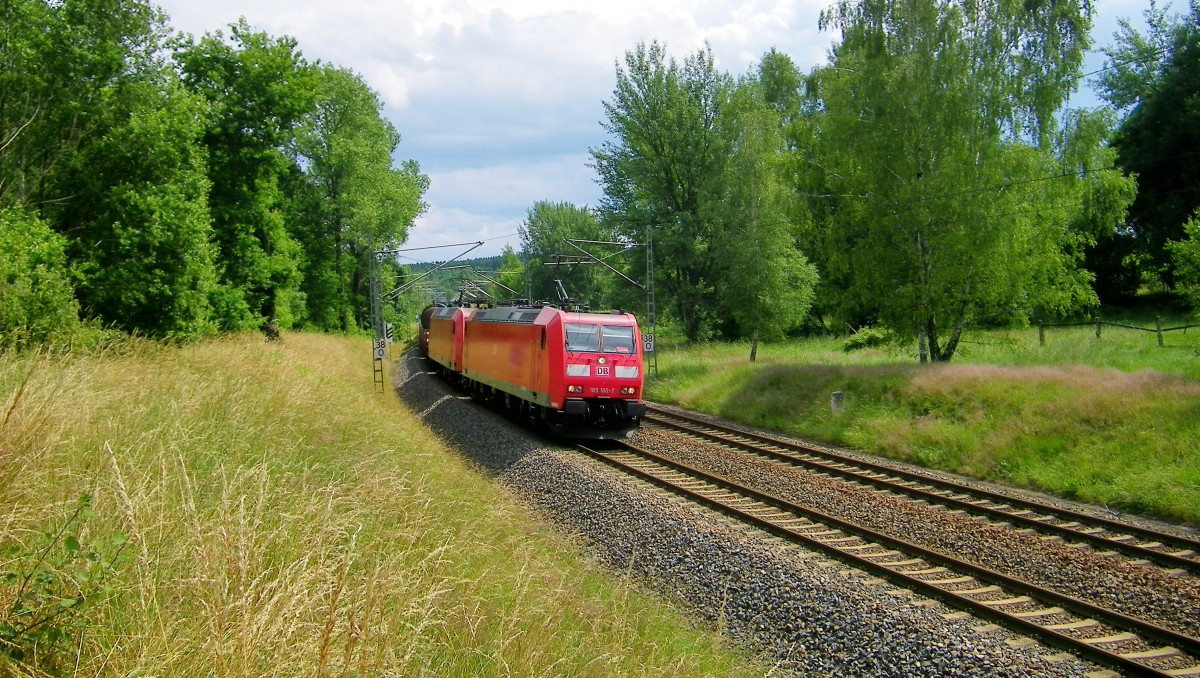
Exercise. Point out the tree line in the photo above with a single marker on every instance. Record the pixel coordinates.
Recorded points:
(175, 187)
(927, 179)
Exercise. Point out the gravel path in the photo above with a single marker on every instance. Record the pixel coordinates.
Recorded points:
(812, 616)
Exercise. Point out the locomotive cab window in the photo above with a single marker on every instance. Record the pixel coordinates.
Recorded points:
(616, 339)
(583, 338)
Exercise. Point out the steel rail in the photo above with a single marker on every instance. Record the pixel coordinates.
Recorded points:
(1147, 631)
(1164, 558)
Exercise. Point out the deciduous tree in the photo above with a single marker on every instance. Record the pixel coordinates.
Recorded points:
(58, 61)
(511, 274)
(544, 234)
(36, 302)
(356, 199)
(1158, 75)
(937, 135)
(1135, 59)
(138, 219)
(661, 168)
(259, 88)
(102, 143)
(1185, 254)
(764, 283)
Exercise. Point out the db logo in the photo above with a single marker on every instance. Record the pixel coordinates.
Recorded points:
(602, 371)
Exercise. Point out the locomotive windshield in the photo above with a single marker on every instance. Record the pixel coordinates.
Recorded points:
(599, 338)
(616, 339)
(583, 338)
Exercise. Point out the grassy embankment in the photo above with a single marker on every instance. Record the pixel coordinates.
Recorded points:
(1112, 421)
(257, 509)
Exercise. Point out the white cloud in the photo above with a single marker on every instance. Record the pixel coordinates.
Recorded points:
(517, 185)
(393, 88)
(500, 101)
(490, 203)
(446, 232)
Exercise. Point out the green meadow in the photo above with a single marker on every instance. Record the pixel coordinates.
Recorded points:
(1113, 420)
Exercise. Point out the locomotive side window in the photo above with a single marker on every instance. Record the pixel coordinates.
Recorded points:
(617, 339)
(583, 338)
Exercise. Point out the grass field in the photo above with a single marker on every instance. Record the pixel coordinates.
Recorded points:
(239, 508)
(1112, 421)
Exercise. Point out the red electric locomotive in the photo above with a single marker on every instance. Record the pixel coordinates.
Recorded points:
(580, 373)
(446, 331)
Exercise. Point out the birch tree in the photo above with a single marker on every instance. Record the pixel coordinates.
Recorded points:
(938, 136)
(765, 283)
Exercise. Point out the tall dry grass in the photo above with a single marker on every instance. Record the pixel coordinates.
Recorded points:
(256, 509)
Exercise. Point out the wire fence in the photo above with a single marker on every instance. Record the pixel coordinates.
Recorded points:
(1099, 323)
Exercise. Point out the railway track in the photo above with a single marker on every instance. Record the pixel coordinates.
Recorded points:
(1166, 550)
(1104, 636)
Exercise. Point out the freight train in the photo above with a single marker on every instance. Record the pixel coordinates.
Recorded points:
(579, 373)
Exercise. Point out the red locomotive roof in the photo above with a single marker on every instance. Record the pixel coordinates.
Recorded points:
(513, 314)
(544, 315)
(614, 318)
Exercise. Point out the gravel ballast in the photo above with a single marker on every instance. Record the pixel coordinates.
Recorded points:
(1140, 590)
(810, 615)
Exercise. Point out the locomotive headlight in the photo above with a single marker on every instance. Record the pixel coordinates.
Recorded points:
(579, 370)
(602, 360)
(628, 390)
(574, 389)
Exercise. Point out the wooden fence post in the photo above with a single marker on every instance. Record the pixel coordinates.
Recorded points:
(1158, 328)
(1098, 323)
(1041, 334)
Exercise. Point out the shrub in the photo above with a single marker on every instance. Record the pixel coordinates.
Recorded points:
(1186, 256)
(37, 302)
(869, 337)
(44, 589)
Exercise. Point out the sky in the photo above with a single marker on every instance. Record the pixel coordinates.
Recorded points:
(500, 102)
